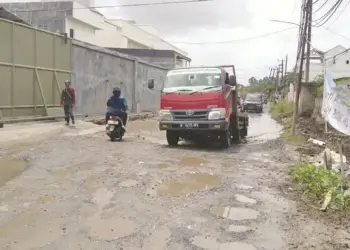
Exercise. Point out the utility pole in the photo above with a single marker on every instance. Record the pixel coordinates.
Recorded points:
(282, 73)
(285, 70)
(308, 45)
(277, 78)
(306, 9)
(270, 73)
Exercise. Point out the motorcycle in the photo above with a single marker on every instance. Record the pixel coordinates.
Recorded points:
(114, 128)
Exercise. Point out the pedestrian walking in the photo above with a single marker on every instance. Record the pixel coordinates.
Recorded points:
(67, 101)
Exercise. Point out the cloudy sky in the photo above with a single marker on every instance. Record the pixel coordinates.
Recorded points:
(225, 20)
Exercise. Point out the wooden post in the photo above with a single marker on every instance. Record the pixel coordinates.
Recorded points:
(41, 91)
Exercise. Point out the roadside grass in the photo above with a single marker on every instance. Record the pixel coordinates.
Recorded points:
(283, 111)
(315, 182)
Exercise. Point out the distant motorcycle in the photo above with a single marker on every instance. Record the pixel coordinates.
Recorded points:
(114, 128)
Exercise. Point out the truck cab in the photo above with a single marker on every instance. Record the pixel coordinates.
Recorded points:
(201, 102)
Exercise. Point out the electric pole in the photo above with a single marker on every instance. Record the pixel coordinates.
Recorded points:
(282, 73)
(285, 70)
(304, 27)
(308, 45)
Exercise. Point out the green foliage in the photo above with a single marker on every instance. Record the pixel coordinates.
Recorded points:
(281, 109)
(316, 182)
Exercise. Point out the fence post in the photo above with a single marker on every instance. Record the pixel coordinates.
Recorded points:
(135, 101)
(13, 70)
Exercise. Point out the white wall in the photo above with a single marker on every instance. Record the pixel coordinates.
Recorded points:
(110, 36)
(82, 31)
(149, 29)
(339, 69)
(140, 35)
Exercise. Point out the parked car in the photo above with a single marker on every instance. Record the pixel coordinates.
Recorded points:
(253, 102)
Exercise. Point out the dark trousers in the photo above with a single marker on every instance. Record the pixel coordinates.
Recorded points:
(68, 112)
(123, 116)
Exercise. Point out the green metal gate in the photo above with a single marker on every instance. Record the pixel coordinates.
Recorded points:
(33, 66)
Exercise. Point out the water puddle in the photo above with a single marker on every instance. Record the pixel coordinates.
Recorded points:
(190, 161)
(212, 244)
(128, 183)
(235, 213)
(191, 183)
(63, 172)
(110, 228)
(162, 165)
(46, 199)
(158, 239)
(238, 229)
(10, 168)
(245, 199)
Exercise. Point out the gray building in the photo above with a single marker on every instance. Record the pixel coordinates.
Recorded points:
(49, 16)
(168, 59)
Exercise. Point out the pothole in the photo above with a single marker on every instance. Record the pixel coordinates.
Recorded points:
(190, 161)
(235, 213)
(10, 168)
(109, 229)
(191, 183)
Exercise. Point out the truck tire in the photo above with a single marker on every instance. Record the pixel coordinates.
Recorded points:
(172, 137)
(225, 139)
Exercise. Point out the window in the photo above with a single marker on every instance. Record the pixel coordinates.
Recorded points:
(333, 59)
(43, 25)
(347, 61)
(71, 33)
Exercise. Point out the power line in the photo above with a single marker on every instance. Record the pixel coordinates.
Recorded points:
(347, 4)
(236, 40)
(328, 15)
(117, 6)
(319, 8)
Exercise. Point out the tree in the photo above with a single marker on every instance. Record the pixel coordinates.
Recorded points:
(252, 80)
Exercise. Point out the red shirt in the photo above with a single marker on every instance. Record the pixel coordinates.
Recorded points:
(70, 92)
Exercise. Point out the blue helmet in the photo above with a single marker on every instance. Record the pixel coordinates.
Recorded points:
(116, 91)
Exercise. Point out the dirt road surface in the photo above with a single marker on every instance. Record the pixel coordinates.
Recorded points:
(81, 191)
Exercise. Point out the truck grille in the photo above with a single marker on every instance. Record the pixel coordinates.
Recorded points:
(197, 115)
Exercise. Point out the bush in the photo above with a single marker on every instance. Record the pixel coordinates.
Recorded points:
(316, 182)
(282, 109)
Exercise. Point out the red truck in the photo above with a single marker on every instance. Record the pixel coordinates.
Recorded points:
(202, 102)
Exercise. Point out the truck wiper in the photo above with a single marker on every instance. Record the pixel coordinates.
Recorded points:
(210, 87)
(178, 90)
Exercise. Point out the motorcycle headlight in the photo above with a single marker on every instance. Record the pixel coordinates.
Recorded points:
(217, 114)
(165, 115)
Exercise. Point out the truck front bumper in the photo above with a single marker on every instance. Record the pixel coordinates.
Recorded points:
(217, 125)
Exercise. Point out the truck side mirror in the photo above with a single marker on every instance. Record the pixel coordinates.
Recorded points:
(232, 81)
(151, 83)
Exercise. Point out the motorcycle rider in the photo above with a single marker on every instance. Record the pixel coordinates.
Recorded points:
(117, 105)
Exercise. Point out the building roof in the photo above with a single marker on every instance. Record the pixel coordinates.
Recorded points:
(5, 14)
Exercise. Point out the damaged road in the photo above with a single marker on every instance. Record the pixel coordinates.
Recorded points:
(81, 191)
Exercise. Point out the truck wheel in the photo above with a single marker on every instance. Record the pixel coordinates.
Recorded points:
(225, 139)
(172, 137)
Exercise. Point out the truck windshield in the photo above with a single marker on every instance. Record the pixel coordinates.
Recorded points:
(208, 79)
(253, 98)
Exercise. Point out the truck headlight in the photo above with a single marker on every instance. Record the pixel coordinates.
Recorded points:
(165, 115)
(217, 114)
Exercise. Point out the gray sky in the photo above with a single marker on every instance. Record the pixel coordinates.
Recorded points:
(222, 20)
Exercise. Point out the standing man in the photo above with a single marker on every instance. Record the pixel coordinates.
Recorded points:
(68, 100)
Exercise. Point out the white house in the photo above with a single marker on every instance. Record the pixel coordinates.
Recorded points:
(88, 25)
(336, 60)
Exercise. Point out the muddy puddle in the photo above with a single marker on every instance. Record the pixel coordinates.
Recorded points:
(10, 168)
(190, 161)
(189, 184)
